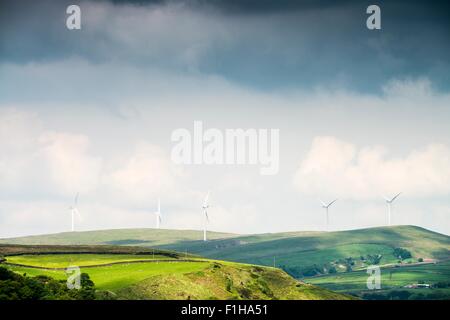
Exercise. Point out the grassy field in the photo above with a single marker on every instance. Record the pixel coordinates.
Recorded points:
(301, 254)
(292, 249)
(81, 260)
(194, 280)
(176, 279)
(391, 278)
(228, 281)
(118, 276)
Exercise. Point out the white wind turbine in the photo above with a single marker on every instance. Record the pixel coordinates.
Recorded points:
(326, 206)
(74, 211)
(205, 211)
(389, 203)
(158, 214)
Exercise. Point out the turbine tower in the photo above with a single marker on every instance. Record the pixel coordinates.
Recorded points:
(389, 203)
(158, 214)
(205, 211)
(74, 211)
(326, 206)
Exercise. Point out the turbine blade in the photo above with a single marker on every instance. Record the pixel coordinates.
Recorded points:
(205, 202)
(75, 202)
(323, 203)
(206, 215)
(159, 205)
(332, 202)
(395, 197)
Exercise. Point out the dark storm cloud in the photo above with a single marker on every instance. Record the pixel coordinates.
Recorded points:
(263, 6)
(264, 44)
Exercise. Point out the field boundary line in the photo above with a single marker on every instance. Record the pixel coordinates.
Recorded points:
(101, 265)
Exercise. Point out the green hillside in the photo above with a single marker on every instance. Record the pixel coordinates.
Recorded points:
(300, 253)
(228, 281)
(140, 274)
(333, 260)
(323, 250)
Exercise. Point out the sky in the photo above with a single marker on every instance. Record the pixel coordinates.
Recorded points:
(361, 113)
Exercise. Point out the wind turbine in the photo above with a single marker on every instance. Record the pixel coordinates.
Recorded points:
(158, 214)
(326, 206)
(389, 203)
(74, 211)
(205, 211)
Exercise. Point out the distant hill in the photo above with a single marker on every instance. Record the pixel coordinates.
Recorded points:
(127, 237)
(303, 250)
(300, 253)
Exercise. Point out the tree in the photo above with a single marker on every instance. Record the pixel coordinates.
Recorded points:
(21, 287)
(402, 253)
(374, 259)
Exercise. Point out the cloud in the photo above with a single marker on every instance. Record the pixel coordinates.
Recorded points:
(34, 160)
(337, 168)
(264, 45)
(33, 217)
(38, 161)
(67, 161)
(147, 172)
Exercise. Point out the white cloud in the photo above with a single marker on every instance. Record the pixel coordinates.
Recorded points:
(410, 88)
(33, 159)
(148, 172)
(68, 162)
(334, 167)
(33, 217)
(48, 163)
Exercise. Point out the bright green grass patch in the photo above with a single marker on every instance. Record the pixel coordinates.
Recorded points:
(121, 275)
(55, 274)
(390, 277)
(65, 260)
